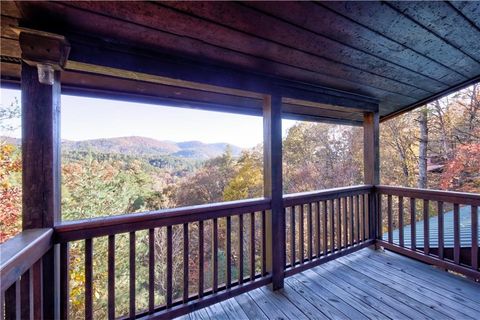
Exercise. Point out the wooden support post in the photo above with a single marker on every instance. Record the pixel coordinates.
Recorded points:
(41, 146)
(371, 163)
(273, 188)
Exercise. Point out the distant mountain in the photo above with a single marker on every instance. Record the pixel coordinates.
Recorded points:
(146, 147)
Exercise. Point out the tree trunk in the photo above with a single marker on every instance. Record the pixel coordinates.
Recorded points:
(422, 150)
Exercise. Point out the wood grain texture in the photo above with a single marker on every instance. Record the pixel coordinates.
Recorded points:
(272, 164)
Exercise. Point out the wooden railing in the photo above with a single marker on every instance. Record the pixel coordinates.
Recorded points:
(21, 274)
(399, 230)
(171, 232)
(324, 225)
(197, 256)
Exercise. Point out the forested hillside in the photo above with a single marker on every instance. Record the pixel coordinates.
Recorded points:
(436, 146)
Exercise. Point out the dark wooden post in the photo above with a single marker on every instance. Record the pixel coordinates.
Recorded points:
(41, 148)
(273, 188)
(371, 163)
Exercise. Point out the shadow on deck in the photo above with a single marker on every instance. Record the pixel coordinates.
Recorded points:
(365, 285)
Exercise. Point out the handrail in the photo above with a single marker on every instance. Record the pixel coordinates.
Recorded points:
(319, 195)
(96, 227)
(397, 203)
(437, 195)
(21, 252)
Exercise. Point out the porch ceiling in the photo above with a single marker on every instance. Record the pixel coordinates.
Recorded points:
(397, 54)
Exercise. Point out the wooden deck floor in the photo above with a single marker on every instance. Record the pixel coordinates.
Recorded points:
(365, 285)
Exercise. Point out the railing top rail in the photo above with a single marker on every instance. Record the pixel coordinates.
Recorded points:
(312, 196)
(435, 195)
(21, 252)
(83, 229)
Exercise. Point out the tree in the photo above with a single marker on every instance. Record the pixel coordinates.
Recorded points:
(422, 148)
(248, 180)
(320, 156)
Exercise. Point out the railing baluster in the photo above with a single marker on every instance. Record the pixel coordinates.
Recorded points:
(456, 233)
(111, 276)
(332, 225)
(292, 237)
(364, 216)
(300, 234)
(440, 230)
(317, 224)
(240, 248)
(88, 279)
(367, 216)
(252, 246)
(151, 270)
(12, 301)
(132, 308)
(413, 231)
(64, 280)
(37, 293)
(25, 295)
(339, 224)
(474, 254)
(400, 222)
(200, 258)
(325, 227)
(169, 266)
(310, 232)
(229, 250)
(389, 217)
(215, 255)
(357, 217)
(426, 227)
(264, 243)
(379, 225)
(185, 263)
(345, 222)
(351, 221)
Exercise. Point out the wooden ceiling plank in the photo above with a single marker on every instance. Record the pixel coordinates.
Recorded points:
(439, 95)
(9, 47)
(348, 31)
(239, 18)
(469, 9)
(313, 111)
(444, 22)
(142, 36)
(161, 17)
(6, 29)
(10, 9)
(382, 18)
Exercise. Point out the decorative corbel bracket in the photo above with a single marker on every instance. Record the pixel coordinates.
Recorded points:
(46, 51)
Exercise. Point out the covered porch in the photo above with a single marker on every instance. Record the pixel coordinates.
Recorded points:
(314, 250)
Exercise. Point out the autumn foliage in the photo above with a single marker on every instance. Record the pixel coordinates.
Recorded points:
(10, 192)
(463, 172)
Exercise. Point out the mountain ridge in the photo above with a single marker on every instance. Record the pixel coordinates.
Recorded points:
(144, 146)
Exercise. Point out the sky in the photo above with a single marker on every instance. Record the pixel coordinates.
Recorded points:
(91, 118)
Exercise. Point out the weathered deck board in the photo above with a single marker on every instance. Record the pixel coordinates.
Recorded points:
(365, 285)
(450, 298)
(415, 269)
(422, 295)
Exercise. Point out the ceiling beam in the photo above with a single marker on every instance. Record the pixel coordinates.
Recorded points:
(95, 56)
